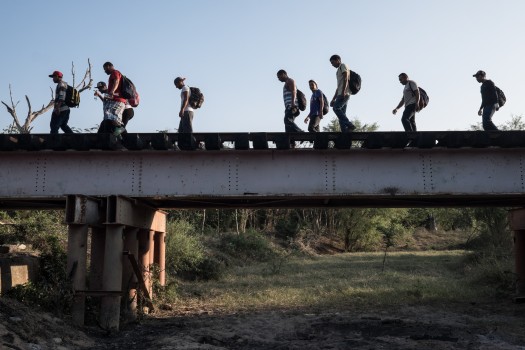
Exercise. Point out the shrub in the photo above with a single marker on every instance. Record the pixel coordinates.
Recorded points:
(186, 255)
(251, 245)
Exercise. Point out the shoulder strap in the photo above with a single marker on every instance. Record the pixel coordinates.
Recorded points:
(410, 86)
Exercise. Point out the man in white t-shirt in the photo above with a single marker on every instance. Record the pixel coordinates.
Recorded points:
(186, 111)
(411, 101)
(342, 94)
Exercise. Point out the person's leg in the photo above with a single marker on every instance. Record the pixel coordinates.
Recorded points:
(54, 124)
(313, 125)
(64, 118)
(488, 112)
(186, 122)
(408, 118)
(289, 122)
(127, 115)
(340, 111)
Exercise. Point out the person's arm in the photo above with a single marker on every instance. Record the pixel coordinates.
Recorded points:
(417, 96)
(494, 94)
(346, 79)
(290, 85)
(113, 83)
(321, 105)
(401, 103)
(184, 103)
(60, 98)
(99, 95)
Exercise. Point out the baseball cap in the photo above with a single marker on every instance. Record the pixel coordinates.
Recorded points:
(179, 79)
(56, 74)
(101, 84)
(479, 72)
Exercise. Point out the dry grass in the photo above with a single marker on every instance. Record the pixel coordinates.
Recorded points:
(344, 281)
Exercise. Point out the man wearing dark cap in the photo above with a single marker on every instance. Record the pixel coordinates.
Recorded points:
(186, 111)
(60, 115)
(489, 100)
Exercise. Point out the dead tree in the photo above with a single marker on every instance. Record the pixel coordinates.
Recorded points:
(26, 127)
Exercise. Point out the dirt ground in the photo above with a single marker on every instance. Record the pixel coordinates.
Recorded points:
(487, 326)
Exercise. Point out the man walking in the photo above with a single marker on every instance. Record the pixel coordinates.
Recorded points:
(60, 115)
(342, 94)
(186, 111)
(291, 109)
(489, 100)
(316, 107)
(410, 99)
(114, 104)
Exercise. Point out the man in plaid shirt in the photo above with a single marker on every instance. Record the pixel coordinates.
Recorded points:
(115, 104)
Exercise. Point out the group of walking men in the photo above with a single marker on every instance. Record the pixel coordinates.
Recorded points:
(410, 99)
(118, 111)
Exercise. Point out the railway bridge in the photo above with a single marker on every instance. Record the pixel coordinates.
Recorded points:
(114, 190)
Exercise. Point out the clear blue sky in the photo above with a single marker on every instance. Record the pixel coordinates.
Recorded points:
(232, 49)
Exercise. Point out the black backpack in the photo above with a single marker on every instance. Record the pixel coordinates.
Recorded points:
(354, 83)
(196, 97)
(301, 100)
(326, 105)
(501, 96)
(423, 97)
(129, 92)
(72, 97)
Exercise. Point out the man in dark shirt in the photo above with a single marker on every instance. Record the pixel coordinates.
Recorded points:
(316, 108)
(489, 100)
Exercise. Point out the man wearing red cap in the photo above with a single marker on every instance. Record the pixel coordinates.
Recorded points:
(60, 115)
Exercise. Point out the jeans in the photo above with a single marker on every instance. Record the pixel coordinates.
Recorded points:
(289, 122)
(408, 119)
(127, 115)
(313, 125)
(185, 124)
(60, 121)
(488, 112)
(340, 111)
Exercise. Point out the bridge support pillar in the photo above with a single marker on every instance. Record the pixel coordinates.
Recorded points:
(129, 279)
(123, 231)
(112, 278)
(77, 268)
(96, 267)
(144, 257)
(160, 256)
(517, 225)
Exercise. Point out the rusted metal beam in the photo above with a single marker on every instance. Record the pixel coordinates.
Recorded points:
(133, 213)
(84, 210)
(142, 284)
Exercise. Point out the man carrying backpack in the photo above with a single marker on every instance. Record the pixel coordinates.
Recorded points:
(316, 108)
(114, 104)
(186, 111)
(60, 115)
(410, 99)
(291, 108)
(489, 100)
(342, 94)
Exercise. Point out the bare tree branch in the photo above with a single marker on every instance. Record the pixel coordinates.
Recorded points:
(87, 77)
(85, 84)
(12, 110)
